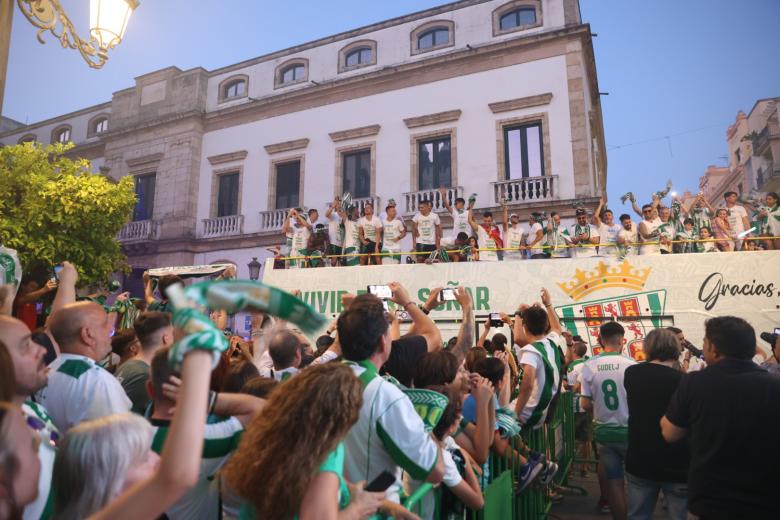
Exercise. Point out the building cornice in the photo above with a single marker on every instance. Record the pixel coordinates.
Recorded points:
(223, 158)
(433, 119)
(360, 31)
(287, 146)
(517, 104)
(29, 128)
(436, 68)
(354, 133)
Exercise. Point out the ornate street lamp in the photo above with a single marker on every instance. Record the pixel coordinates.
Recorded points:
(107, 23)
(254, 268)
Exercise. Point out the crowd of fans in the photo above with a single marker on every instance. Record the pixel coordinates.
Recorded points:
(97, 424)
(347, 236)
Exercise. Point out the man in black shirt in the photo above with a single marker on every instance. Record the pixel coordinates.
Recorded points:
(730, 412)
(653, 465)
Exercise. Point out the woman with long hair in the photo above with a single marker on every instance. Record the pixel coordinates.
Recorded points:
(290, 459)
(723, 232)
(19, 464)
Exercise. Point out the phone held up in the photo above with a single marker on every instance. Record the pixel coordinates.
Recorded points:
(447, 295)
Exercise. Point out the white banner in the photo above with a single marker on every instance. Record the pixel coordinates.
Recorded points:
(642, 292)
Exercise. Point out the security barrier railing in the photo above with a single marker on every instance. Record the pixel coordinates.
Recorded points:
(555, 440)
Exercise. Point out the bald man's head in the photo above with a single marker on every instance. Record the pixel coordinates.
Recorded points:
(26, 355)
(82, 328)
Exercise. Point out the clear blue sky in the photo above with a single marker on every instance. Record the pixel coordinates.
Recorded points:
(670, 66)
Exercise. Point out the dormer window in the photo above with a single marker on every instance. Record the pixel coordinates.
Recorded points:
(291, 72)
(434, 35)
(361, 53)
(61, 135)
(517, 15)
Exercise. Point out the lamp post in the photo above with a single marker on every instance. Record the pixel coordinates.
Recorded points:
(254, 269)
(107, 24)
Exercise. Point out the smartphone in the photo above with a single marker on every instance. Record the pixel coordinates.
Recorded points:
(777, 330)
(447, 295)
(381, 483)
(385, 306)
(381, 291)
(56, 271)
(495, 319)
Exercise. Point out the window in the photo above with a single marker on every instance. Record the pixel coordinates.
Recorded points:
(101, 125)
(291, 72)
(435, 37)
(61, 135)
(518, 18)
(29, 138)
(144, 195)
(356, 173)
(434, 163)
(227, 194)
(288, 176)
(236, 88)
(359, 56)
(523, 151)
(517, 15)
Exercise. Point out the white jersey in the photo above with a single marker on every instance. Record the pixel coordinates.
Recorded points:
(486, 242)
(544, 389)
(452, 478)
(609, 236)
(46, 454)
(391, 234)
(650, 246)
(335, 231)
(531, 236)
(389, 435)
(583, 250)
(667, 231)
(573, 376)
(514, 238)
(370, 227)
(602, 381)
(426, 228)
(735, 218)
(79, 390)
(219, 441)
(630, 239)
(351, 234)
(460, 222)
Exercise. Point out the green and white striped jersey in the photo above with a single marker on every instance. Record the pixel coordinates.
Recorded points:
(219, 441)
(388, 436)
(602, 381)
(39, 420)
(544, 356)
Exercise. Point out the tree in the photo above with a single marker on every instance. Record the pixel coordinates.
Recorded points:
(54, 209)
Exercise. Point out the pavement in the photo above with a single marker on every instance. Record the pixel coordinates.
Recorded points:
(576, 506)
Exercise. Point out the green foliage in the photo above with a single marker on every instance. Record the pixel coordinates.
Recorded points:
(54, 209)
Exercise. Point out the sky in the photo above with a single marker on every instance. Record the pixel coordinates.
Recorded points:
(677, 72)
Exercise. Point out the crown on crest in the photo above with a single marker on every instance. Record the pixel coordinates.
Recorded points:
(603, 277)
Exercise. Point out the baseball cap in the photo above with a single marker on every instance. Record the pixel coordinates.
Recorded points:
(514, 215)
(580, 212)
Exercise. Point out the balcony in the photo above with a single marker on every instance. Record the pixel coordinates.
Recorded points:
(223, 226)
(413, 199)
(525, 190)
(138, 231)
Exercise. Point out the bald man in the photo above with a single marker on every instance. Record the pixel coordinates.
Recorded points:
(31, 374)
(79, 389)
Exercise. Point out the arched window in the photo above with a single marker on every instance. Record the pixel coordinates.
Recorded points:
(359, 56)
(61, 135)
(101, 125)
(436, 37)
(29, 138)
(433, 35)
(292, 72)
(518, 18)
(235, 88)
(517, 15)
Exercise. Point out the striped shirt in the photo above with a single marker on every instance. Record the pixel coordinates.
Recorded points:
(544, 356)
(219, 441)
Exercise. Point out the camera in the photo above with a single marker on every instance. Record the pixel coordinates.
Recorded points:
(495, 319)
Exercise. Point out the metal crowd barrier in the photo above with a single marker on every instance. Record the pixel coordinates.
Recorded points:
(555, 440)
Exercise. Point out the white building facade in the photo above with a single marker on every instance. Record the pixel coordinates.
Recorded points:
(494, 97)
